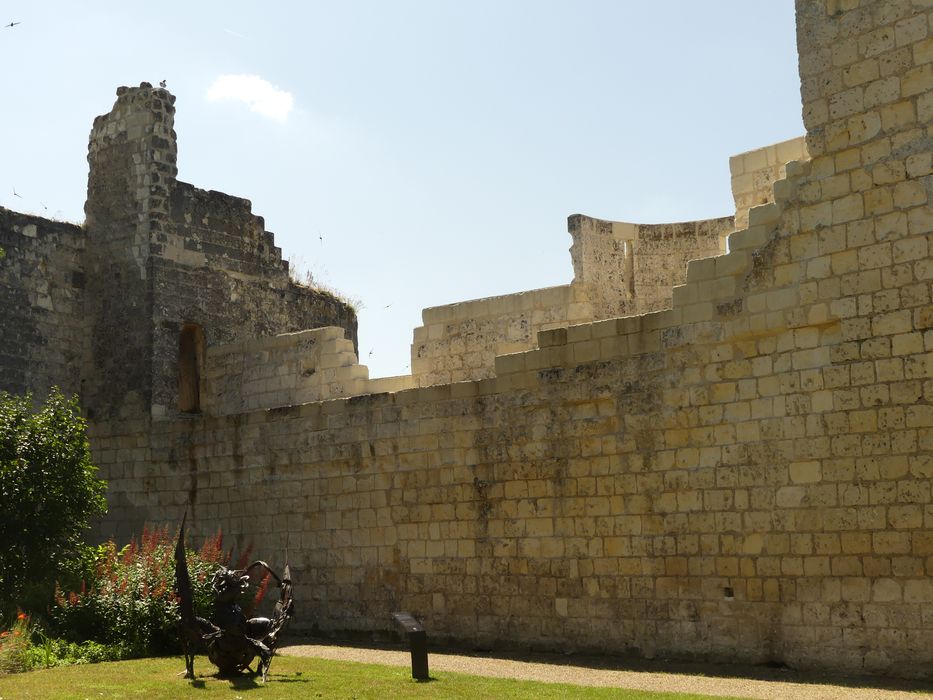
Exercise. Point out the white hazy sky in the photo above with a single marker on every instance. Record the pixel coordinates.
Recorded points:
(411, 153)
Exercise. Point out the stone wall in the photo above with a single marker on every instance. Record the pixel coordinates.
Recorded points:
(619, 269)
(281, 370)
(193, 257)
(42, 280)
(743, 473)
(747, 475)
(100, 310)
(628, 269)
(215, 266)
(459, 342)
(754, 173)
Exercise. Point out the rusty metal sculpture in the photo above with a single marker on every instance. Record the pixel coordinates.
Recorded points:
(232, 640)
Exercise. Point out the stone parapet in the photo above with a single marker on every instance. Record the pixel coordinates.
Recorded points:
(281, 370)
(754, 173)
(459, 342)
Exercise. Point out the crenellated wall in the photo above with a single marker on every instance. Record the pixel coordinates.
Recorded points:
(755, 172)
(619, 269)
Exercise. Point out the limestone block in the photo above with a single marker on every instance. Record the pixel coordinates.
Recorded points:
(917, 80)
(549, 338)
(685, 294)
(748, 239)
(702, 269)
(507, 364)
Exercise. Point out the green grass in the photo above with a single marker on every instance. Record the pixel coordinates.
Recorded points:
(290, 678)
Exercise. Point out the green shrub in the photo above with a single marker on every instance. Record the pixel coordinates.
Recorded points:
(49, 493)
(130, 603)
(25, 646)
(46, 652)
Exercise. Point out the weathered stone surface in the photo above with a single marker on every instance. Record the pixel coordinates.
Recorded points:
(42, 280)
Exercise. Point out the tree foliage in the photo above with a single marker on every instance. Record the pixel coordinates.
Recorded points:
(48, 490)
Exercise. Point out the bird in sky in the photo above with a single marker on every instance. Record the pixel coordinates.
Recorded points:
(11, 24)
(162, 83)
(17, 194)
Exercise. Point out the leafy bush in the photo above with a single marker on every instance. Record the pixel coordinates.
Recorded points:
(49, 493)
(130, 602)
(25, 646)
(46, 652)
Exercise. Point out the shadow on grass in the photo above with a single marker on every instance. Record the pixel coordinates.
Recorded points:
(250, 681)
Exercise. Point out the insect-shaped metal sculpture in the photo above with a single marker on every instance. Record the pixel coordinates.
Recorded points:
(232, 640)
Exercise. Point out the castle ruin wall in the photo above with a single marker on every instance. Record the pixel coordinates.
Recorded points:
(101, 310)
(745, 475)
(619, 269)
(282, 370)
(459, 342)
(755, 172)
(215, 266)
(42, 281)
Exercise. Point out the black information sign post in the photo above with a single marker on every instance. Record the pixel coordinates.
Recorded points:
(418, 641)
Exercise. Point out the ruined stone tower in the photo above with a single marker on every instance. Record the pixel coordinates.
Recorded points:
(122, 310)
(132, 158)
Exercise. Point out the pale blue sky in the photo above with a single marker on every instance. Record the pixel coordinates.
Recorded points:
(437, 146)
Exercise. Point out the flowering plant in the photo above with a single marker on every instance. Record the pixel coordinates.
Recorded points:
(14, 642)
(130, 601)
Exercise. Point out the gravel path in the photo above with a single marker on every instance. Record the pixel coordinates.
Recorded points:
(746, 682)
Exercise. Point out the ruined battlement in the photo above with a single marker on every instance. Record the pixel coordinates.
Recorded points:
(620, 269)
(755, 172)
(228, 233)
(156, 258)
(629, 269)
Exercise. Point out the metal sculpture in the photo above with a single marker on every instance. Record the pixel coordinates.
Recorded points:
(232, 640)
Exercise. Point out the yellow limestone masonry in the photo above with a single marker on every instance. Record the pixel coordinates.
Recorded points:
(742, 473)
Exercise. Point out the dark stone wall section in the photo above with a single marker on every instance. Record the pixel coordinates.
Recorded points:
(42, 280)
(215, 265)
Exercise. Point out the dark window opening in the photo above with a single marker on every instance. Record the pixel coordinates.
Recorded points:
(190, 359)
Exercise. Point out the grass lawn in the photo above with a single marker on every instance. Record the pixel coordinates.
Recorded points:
(290, 677)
